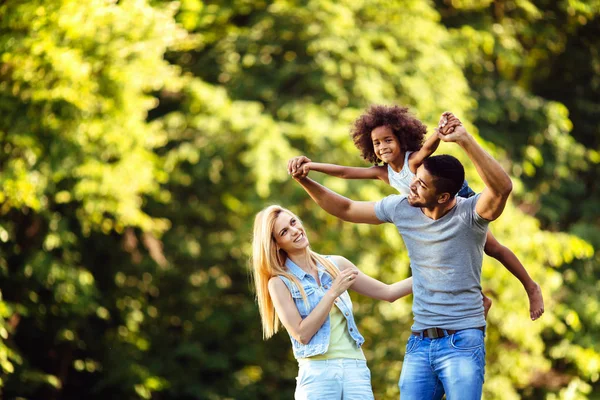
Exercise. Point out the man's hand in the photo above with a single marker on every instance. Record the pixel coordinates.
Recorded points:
(299, 167)
(493, 198)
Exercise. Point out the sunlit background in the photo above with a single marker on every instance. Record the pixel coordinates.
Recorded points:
(139, 138)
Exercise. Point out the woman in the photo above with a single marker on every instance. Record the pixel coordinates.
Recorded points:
(307, 292)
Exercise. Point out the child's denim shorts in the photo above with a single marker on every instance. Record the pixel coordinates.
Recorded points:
(465, 191)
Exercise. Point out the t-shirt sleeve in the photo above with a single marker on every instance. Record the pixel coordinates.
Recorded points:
(385, 209)
(470, 215)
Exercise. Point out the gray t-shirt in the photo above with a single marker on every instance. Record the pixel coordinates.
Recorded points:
(445, 257)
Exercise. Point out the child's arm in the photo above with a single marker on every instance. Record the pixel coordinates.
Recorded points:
(344, 172)
(304, 165)
(429, 147)
(431, 144)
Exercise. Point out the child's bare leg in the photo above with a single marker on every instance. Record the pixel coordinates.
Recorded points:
(487, 304)
(510, 261)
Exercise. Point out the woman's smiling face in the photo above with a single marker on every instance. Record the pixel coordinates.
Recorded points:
(289, 233)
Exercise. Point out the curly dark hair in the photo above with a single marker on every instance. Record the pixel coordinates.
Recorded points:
(409, 130)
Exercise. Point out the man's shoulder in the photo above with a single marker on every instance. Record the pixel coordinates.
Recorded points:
(396, 198)
(395, 201)
(467, 201)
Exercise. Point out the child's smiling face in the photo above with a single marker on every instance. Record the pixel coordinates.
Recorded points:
(385, 144)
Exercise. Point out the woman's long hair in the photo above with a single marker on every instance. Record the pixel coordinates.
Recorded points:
(269, 261)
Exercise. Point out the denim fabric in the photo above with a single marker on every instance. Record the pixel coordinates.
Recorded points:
(319, 343)
(465, 191)
(453, 364)
(336, 379)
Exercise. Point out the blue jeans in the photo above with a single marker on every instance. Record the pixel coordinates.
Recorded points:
(453, 364)
(336, 379)
(465, 190)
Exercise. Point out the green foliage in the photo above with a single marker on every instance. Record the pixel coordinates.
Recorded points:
(75, 89)
(536, 86)
(139, 138)
(77, 160)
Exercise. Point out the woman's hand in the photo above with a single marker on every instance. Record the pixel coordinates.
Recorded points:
(344, 280)
(368, 286)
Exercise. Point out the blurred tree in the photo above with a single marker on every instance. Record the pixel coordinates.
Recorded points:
(312, 67)
(76, 165)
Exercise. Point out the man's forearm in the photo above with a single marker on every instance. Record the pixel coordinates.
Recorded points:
(335, 204)
(362, 212)
(490, 171)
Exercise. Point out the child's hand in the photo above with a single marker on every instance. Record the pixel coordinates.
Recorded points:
(447, 123)
(303, 171)
(443, 120)
(457, 134)
(295, 164)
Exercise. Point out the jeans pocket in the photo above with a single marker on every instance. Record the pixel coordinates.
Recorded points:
(467, 339)
(412, 344)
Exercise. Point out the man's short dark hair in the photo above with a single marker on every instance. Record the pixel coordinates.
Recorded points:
(448, 173)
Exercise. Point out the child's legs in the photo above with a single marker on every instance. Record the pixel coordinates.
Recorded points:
(506, 257)
(512, 263)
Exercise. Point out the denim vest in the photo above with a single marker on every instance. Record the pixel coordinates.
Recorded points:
(319, 343)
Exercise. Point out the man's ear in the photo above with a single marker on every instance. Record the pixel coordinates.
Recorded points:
(443, 198)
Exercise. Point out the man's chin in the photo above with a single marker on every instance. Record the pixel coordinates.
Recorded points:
(413, 202)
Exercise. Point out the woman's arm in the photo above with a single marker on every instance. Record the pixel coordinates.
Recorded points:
(304, 329)
(374, 288)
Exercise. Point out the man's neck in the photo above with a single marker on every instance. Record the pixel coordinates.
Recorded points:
(439, 210)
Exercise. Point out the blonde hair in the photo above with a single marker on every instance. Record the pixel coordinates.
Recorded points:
(269, 261)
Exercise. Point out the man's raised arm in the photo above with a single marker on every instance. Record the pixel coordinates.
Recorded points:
(498, 184)
(337, 205)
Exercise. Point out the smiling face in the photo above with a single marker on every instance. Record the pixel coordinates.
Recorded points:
(423, 193)
(386, 144)
(289, 233)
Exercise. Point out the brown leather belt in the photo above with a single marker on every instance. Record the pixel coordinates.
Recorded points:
(434, 333)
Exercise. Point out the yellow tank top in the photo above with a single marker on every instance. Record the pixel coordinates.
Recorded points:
(341, 344)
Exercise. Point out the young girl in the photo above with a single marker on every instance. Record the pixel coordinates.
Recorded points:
(307, 292)
(392, 136)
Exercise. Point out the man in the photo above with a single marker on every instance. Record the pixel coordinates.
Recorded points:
(445, 236)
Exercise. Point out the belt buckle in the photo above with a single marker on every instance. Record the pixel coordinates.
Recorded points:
(432, 333)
